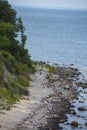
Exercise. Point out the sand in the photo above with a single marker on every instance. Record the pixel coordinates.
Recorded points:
(27, 105)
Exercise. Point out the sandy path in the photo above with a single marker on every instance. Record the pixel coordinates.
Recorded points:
(27, 106)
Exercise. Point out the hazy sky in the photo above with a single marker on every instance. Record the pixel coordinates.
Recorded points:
(76, 4)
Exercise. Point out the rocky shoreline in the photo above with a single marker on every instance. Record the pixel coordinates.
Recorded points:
(51, 94)
(53, 108)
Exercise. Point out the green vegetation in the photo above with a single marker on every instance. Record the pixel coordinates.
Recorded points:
(50, 68)
(15, 62)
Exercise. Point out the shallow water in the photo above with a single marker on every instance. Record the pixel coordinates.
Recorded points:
(81, 116)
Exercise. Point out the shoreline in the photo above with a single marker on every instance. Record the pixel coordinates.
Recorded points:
(46, 106)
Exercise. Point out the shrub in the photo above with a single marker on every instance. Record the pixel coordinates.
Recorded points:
(50, 68)
(23, 80)
(9, 57)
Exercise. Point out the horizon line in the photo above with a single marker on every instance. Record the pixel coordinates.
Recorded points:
(59, 8)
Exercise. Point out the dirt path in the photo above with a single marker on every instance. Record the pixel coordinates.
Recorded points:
(28, 105)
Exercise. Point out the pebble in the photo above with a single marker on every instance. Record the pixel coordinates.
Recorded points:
(81, 108)
(74, 123)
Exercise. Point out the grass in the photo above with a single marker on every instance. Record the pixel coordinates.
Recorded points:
(23, 80)
(50, 68)
(14, 80)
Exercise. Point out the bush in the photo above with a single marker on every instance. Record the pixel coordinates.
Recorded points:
(50, 68)
(9, 61)
(9, 57)
(23, 80)
(21, 69)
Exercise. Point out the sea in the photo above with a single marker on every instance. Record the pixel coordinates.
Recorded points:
(56, 35)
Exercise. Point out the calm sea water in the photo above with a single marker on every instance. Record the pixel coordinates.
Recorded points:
(56, 35)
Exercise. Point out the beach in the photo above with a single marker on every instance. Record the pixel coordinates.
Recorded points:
(47, 104)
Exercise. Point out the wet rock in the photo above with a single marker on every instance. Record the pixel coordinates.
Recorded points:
(72, 111)
(81, 108)
(79, 116)
(77, 98)
(85, 92)
(74, 123)
(86, 124)
(81, 84)
(71, 64)
(80, 127)
(81, 101)
(67, 123)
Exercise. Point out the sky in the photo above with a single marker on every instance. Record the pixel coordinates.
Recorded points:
(68, 4)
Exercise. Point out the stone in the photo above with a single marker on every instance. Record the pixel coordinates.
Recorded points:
(86, 124)
(66, 87)
(81, 108)
(56, 116)
(74, 124)
(72, 111)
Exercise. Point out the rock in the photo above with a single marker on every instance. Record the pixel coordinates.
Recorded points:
(85, 92)
(71, 64)
(66, 87)
(78, 116)
(62, 120)
(81, 108)
(77, 98)
(86, 124)
(81, 84)
(74, 124)
(72, 111)
(81, 101)
(56, 116)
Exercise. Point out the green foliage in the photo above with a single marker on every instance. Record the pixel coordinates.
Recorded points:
(9, 61)
(15, 62)
(7, 14)
(13, 84)
(7, 29)
(21, 29)
(15, 88)
(21, 69)
(50, 68)
(23, 80)
(10, 27)
(6, 96)
(6, 43)
(8, 57)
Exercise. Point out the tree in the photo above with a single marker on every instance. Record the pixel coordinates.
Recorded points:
(6, 43)
(10, 28)
(21, 29)
(7, 14)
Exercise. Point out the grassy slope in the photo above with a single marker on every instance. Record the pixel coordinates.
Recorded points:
(14, 79)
